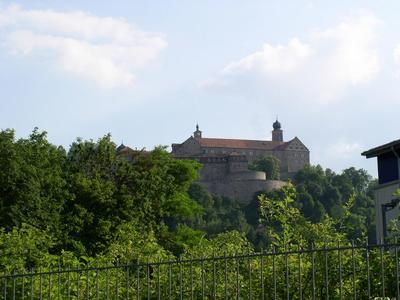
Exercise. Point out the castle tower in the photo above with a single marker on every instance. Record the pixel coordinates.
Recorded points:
(277, 133)
(197, 133)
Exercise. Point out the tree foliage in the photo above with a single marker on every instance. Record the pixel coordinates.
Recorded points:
(268, 164)
(33, 185)
(90, 205)
(322, 191)
(109, 191)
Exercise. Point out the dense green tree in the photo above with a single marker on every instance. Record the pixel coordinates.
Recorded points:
(285, 224)
(24, 247)
(323, 190)
(268, 164)
(109, 190)
(83, 196)
(220, 214)
(91, 205)
(33, 187)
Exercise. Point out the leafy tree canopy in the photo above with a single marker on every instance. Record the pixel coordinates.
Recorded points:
(89, 204)
(268, 164)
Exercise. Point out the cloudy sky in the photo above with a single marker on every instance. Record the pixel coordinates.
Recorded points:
(148, 72)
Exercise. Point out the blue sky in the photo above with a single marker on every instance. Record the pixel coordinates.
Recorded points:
(147, 72)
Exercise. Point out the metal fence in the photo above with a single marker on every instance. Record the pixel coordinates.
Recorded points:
(328, 272)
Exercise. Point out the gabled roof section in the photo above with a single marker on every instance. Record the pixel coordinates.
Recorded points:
(294, 144)
(394, 145)
(191, 139)
(239, 144)
(123, 148)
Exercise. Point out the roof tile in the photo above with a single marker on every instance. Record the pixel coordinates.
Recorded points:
(240, 144)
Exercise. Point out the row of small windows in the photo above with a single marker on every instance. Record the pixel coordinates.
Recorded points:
(227, 152)
(299, 154)
(214, 151)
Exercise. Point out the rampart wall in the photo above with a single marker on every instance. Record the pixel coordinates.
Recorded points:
(242, 190)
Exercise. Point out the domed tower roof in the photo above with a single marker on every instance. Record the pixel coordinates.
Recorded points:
(277, 133)
(197, 133)
(276, 125)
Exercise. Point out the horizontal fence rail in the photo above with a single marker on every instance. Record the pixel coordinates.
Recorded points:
(340, 272)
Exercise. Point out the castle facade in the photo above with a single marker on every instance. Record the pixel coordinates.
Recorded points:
(226, 161)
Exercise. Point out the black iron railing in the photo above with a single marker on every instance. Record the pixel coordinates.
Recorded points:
(346, 271)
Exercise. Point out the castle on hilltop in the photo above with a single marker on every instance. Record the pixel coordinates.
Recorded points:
(225, 162)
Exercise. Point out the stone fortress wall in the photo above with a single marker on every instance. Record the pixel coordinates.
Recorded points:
(290, 160)
(242, 190)
(226, 162)
(229, 176)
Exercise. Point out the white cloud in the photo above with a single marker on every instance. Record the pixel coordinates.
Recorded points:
(353, 58)
(278, 59)
(321, 67)
(102, 49)
(343, 149)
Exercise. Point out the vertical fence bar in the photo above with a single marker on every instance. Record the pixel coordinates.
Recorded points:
(237, 278)
(40, 284)
(368, 271)
(107, 284)
(127, 285)
(300, 279)
(49, 294)
(117, 281)
(78, 275)
(13, 283)
(262, 275)
(59, 282)
(226, 276)
(202, 279)
(382, 271)
(23, 288)
(87, 283)
(214, 283)
(158, 279)
(249, 270)
(326, 273)
(32, 281)
(340, 273)
(5, 288)
(138, 280)
(274, 270)
(396, 258)
(313, 270)
(13, 286)
(148, 278)
(191, 277)
(97, 283)
(180, 280)
(353, 270)
(170, 279)
(287, 274)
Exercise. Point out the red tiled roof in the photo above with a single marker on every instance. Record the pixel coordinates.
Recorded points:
(240, 144)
